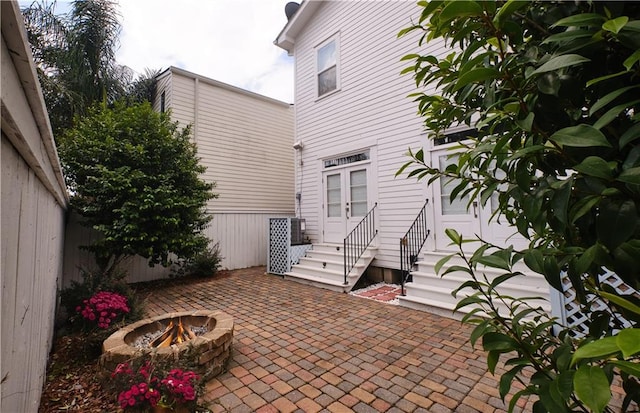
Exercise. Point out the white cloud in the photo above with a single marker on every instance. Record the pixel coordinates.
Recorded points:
(227, 40)
(230, 41)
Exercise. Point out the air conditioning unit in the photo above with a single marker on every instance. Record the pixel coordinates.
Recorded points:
(298, 226)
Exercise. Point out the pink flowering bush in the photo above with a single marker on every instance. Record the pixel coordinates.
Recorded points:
(142, 389)
(103, 308)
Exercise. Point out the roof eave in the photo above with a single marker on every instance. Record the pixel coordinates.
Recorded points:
(287, 37)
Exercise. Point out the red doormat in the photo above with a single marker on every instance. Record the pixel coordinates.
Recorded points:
(387, 293)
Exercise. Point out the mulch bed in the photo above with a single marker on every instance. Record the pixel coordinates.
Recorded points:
(74, 377)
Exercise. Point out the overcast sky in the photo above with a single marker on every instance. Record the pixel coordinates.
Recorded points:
(227, 40)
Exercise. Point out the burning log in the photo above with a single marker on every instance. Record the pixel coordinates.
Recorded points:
(173, 334)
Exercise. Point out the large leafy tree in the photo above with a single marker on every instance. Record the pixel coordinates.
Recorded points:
(75, 57)
(135, 177)
(552, 90)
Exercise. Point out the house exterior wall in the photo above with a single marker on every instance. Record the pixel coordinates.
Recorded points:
(245, 142)
(32, 213)
(371, 110)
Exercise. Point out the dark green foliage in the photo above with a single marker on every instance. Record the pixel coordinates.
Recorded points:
(202, 265)
(92, 282)
(552, 88)
(135, 177)
(75, 57)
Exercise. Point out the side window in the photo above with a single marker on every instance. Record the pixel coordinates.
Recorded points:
(327, 66)
(162, 102)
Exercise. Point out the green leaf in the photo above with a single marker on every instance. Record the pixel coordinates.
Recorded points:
(629, 341)
(592, 387)
(475, 76)
(628, 367)
(560, 62)
(442, 261)
(595, 166)
(615, 25)
(472, 299)
(608, 98)
(506, 379)
(494, 261)
(479, 331)
(580, 20)
(527, 122)
(492, 360)
(507, 9)
(631, 60)
(580, 136)
(630, 135)
(620, 302)
(453, 236)
(460, 8)
(534, 260)
(597, 349)
(494, 341)
(560, 200)
(616, 221)
(605, 77)
(613, 113)
(630, 176)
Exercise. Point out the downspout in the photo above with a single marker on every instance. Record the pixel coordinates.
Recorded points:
(196, 106)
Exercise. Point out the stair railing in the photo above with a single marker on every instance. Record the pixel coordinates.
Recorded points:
(411, 244)
(356, 243)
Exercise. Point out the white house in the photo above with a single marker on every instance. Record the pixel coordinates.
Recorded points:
(244, 139)
(34, 201)
(354, 123)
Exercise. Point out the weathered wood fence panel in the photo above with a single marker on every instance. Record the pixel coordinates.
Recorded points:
(32, 217)
(242, 236)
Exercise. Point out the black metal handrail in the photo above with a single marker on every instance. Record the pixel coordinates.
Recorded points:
(356, 243)
(411, 244)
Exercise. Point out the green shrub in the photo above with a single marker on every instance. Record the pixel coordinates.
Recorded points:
(204, 264)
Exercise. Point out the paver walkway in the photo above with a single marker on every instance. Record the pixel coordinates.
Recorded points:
(303, 349)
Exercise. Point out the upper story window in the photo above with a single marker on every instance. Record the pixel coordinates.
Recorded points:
(162, 102)
(327, 66)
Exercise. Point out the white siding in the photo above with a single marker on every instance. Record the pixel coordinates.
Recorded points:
(32, 215)
(245, 141)
(372, 107)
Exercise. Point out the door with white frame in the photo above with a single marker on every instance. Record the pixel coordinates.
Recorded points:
(346, 200)
(467, 216)
(452, 214)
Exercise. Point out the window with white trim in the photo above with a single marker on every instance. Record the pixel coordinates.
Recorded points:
(327, 70)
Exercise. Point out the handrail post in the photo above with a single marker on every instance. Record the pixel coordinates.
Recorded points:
(344, 252)
(357, 241)
(411, 244)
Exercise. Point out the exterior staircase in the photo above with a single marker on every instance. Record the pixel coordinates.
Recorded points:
(323, 267)
(430, 292)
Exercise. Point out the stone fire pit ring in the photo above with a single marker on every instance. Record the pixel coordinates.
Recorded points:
(210, 351)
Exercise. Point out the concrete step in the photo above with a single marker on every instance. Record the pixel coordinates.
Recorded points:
(321, 281)
(324, 264)
(522, 285)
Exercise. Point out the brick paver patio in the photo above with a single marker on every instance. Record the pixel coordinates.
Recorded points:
(302, 349)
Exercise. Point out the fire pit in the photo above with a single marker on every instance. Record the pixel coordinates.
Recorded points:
(203, 336)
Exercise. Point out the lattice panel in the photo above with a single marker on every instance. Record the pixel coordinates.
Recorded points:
(297, 252)
(571, 314)
(279, 240)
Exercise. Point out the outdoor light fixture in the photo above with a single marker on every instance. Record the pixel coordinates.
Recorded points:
(298, 146)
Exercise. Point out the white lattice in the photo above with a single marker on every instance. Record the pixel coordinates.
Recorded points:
(278, 261)
(571, 314)
(298, 251)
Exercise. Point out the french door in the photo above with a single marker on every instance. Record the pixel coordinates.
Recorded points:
(346, 201)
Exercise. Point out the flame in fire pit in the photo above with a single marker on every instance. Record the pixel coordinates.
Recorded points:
(173, 334)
